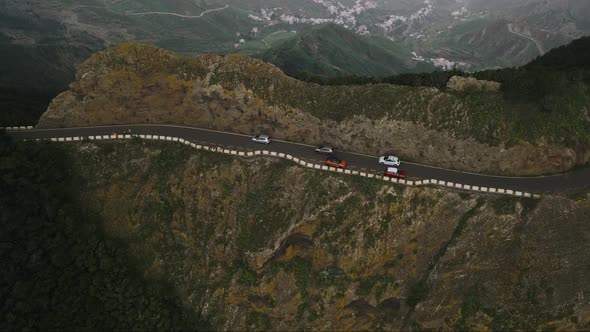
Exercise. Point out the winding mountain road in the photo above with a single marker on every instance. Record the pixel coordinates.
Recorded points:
(177, 15)
(572, 181)
(537, 43)
(106, 7)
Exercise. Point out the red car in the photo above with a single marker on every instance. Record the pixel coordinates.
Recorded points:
(393, 172)
(335, 162)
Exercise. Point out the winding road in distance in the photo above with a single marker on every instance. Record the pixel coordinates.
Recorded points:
(177, 15)
(106, 7)
(572, 181)
(537, 43)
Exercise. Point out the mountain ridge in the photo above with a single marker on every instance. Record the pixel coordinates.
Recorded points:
(466, 131)
(443, 33)
(331, 50)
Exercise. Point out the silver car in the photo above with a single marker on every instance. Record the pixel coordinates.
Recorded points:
(263, 139)
(325, 149)
(389, 160)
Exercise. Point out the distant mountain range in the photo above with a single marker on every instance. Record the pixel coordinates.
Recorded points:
(465, 34)
(331, 50)
(42, 41)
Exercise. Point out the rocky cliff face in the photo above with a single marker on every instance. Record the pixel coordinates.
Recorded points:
(259, 244)
(470, 84)
(136, 83)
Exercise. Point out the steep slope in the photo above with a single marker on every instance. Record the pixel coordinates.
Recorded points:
(331, 50)
(135, 83)
(261, 244)
(63, 274)
(36, 57)
(481, 43)
(574, 55)
(20, 108)
(43, 41)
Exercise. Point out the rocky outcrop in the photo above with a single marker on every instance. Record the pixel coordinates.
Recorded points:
(262, 244)
(470, 84)
(136, 83)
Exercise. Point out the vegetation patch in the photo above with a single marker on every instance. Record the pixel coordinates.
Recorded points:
(367, 284)
(77, 277)
(170, 158)
(20, 108)
(505, 205)
(246, 276)
(260, 215)
(302, 269)
(367, 187)
(473, 302)
(546, 87)
(258, 321)
(578, 195)
(332, 276)
(418, 293)
(529, 204)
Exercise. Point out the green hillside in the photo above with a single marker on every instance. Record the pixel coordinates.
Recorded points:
(546, 98)
(577, 53)
(61, 270)
(155, 236)
(42, 51)
(330, 50)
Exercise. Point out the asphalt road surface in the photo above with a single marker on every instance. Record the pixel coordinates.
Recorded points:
(572, 181)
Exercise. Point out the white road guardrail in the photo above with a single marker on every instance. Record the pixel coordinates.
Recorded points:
(17, 128)
(304, 163)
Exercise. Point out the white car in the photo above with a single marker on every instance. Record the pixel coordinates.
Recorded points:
(263, 139)
(389, 160)
(325, 149)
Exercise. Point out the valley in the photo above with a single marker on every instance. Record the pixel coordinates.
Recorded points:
(418, 36)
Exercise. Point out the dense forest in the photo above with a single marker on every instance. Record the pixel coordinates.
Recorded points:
(553, 88)
(550, 74)
(59, 269)
(20, 108)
